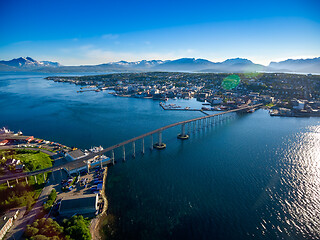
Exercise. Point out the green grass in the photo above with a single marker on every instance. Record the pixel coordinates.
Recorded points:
(34, 160)
(230, 82)
(270, 105)
(22, 194)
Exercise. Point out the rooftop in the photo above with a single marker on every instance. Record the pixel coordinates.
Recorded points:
(79, 204)
(76, 154)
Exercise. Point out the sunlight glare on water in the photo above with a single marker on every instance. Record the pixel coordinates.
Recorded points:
(298, 193)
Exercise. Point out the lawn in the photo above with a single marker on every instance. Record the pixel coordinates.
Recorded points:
(33, 160)
(21, 193)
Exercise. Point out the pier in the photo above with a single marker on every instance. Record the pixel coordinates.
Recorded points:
(194, 124)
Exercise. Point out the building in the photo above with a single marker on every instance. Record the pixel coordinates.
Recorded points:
(91, 163)
(86, 205)
(298, 104)
(6, 222)
(5, 225)
(75, 155)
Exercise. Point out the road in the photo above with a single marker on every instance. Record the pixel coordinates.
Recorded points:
(20, 224)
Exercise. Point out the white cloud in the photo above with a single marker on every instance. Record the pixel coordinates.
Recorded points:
(89, 54)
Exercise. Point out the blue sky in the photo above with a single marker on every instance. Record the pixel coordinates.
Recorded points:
(92, 32)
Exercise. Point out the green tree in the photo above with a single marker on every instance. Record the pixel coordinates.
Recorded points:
(77, 228)
(44, 229)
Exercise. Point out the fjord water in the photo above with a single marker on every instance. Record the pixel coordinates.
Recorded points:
(252, 177)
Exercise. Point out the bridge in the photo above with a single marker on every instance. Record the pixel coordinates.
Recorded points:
(192, 123)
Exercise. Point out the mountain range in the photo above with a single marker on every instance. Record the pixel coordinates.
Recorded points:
(237, 65)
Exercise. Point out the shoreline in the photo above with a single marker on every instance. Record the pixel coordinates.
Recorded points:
(95, 224)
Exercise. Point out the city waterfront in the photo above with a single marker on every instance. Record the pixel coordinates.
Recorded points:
(254, 176)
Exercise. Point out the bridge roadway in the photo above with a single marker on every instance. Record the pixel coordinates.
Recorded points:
(82, 161)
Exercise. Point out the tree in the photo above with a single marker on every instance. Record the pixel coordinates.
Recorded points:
(44, 229)
(77, 228)
(51, 198)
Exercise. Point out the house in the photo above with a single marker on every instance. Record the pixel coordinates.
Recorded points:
(13, 162)
(86, 205)
(19, 168)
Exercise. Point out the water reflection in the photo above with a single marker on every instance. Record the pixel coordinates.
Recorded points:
(298, 190)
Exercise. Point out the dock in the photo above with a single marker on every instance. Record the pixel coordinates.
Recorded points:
(182, 109)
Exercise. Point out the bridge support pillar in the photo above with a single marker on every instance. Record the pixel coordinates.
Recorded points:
(142, 145)
(151, 147)
(134, 149)
(44, 177)
(124, 152)
(26, 180)
(183, 135)
(160, 145)
(112, 156)
(8, 183)
(17, 180)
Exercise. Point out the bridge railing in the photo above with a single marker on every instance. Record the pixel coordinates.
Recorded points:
(83, 160)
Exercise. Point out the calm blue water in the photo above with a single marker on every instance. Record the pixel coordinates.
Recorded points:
(253, 177)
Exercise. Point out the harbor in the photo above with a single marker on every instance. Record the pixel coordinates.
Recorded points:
(197, 177)
(78, 187)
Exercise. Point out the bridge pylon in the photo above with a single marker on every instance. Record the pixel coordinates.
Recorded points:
(183, 135)
(159, 145)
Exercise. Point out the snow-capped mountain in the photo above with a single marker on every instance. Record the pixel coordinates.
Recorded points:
(183, 64)
(28, 62)
(142, 63)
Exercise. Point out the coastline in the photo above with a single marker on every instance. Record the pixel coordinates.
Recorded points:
(95, 224)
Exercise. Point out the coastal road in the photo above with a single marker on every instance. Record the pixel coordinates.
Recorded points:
(20, 224)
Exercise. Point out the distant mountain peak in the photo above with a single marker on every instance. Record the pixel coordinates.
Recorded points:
(234, 65)
(28, 62)
(238, 61)
(309, 65)
(30, 59)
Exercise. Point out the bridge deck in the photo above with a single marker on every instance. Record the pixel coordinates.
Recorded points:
(82, 161)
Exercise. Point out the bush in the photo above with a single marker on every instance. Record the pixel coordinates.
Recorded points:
(77, 228)
(44, 229)
(51, 198)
